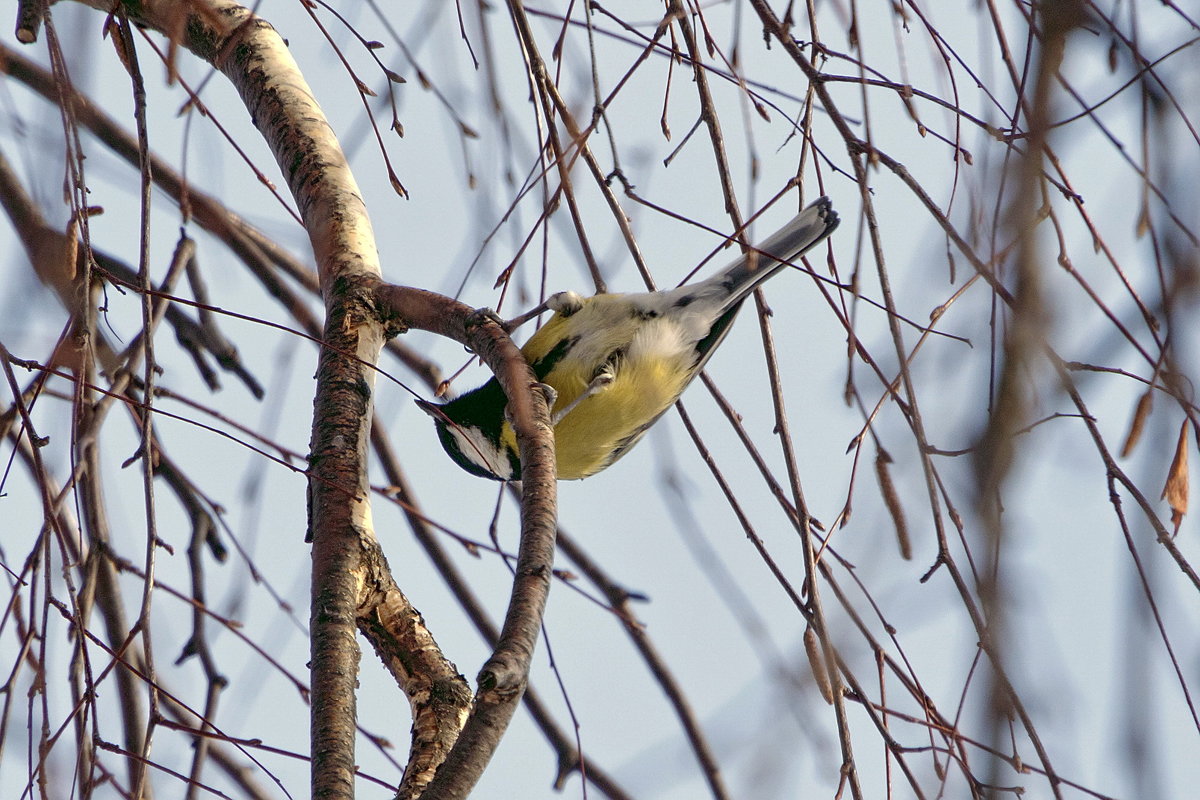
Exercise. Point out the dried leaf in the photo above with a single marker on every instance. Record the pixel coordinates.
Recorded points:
(112, 30)
(812, 648)
(504, 276)
(397, 186)
(1140, 414)
(1143, 222)
(70, 256)
(1175, 492)
(892, 501)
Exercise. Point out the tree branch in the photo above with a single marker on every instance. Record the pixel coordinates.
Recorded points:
(254, 58)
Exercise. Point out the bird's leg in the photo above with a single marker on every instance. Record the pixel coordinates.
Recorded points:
(548, 391)
(564, 303)
(598, 384)
(482, 315)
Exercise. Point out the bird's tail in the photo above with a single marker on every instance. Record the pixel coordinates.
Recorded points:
(806, 230)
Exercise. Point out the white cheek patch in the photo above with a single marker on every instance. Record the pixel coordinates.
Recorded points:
(475, 446)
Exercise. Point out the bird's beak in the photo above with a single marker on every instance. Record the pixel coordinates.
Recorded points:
(432, 409)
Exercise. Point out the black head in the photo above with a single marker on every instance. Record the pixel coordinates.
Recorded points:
(469, 429)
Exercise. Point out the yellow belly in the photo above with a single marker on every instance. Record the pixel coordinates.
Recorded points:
(603, 426)
(654, 367)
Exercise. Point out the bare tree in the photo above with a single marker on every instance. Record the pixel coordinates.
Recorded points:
(989, 591)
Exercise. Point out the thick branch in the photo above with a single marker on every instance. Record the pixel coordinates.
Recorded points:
(249, 52)
(503, 678)
(256, 60)
(439, 695)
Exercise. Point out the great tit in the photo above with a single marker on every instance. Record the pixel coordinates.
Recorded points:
(614, 363)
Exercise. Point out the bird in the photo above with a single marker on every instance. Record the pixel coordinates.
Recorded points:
(612, 364)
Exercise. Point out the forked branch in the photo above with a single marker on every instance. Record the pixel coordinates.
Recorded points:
(351, 587)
